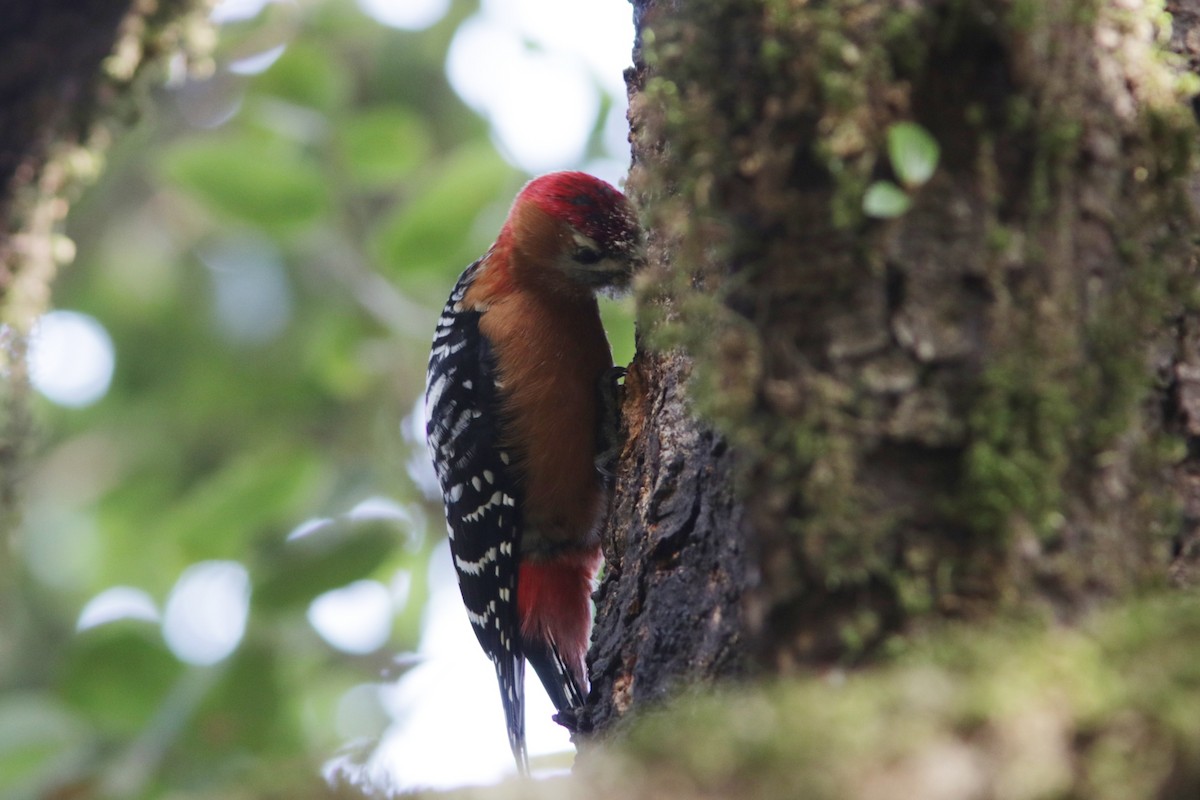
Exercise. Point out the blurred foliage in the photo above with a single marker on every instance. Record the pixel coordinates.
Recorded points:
(268, 252)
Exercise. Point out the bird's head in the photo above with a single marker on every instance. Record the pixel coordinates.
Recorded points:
(581, 226)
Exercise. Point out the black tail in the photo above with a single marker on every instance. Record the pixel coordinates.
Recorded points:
(565, 692)
(510, 672)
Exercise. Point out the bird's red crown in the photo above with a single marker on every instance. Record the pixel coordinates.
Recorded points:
(592, 206)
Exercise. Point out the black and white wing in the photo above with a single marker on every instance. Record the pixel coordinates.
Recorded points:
(463, 419)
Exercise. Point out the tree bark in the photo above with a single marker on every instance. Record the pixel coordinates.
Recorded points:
(678, 567)
(980, 406)
(57, 99)
(48, 82)
(49, 79)
(1181, 372)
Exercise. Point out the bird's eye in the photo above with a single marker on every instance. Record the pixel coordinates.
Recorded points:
(587, 255)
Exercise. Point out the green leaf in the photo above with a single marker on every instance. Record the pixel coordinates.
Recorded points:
(41, 743)
(261, 181)
(221, 515)
(618, 317)
(306, 75)
(246, 717)
(118, 674)
(913, 152)
(383, 145)
(885, 200)
(335, 554)
(432, 234)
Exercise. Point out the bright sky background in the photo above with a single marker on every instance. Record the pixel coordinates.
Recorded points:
(542, 102)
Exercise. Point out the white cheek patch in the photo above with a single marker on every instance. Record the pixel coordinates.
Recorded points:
(582, 241)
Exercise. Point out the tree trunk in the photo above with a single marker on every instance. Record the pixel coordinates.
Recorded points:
(1181, 373)
(51, 80)
(982, 405)
(678, 567)
(60, 98)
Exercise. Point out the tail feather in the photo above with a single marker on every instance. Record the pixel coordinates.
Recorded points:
(556, 675)
(510, 672)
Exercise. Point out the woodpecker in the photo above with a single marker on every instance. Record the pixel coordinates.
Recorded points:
(520, 413)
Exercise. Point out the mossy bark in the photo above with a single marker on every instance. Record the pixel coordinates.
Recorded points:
(50, 69)
(69, 76)
(1181, 370)
(970, 409)
(1019, 711)
(1014, 712)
